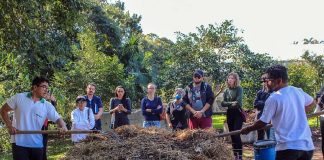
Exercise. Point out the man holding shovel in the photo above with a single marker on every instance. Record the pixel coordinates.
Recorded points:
(30, 111)
(286, 109)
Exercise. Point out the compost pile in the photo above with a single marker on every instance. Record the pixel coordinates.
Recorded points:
(136, 143)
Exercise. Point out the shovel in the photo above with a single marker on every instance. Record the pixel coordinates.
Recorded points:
(265, 127)
(57, 132)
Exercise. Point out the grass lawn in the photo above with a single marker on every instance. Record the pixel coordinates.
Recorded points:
(57, 147)
(218, 121)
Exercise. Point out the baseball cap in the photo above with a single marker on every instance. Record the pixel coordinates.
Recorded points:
(198, 72)
(80, 99)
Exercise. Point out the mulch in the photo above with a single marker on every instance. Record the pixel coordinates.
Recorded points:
(136, 143)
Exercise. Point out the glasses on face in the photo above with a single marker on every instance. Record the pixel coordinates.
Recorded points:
(264, 80)
(43, 86)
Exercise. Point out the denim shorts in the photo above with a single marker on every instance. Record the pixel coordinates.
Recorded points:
(147, 124)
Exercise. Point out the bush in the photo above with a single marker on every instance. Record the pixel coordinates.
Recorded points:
(5, 145)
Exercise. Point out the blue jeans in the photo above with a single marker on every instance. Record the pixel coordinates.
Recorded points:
(147, 124)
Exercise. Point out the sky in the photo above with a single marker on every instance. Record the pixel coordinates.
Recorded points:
(268, 26)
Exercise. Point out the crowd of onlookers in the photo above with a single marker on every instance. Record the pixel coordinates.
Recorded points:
(277, 103)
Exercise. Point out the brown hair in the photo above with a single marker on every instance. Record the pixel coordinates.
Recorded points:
(236, 77)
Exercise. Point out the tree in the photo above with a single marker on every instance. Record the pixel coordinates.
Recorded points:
(303, 75)
(317, 62)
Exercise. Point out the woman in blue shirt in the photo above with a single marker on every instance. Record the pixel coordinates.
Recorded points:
(151, 106)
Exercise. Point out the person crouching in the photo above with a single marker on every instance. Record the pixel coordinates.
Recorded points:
(82, 118)
(176, 116)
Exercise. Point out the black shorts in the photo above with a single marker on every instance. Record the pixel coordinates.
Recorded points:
(26, 153)
(291, 154)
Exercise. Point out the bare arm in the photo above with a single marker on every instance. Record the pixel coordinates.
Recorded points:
(167, 118)
(256, 126)
(189, 108)
(61, 124)
(5, 118)
(310, 107)
(99, 114)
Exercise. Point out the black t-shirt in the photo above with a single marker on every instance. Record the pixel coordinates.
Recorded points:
(121, 117)
(177, 114)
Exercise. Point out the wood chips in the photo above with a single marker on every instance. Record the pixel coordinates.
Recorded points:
(136, 143)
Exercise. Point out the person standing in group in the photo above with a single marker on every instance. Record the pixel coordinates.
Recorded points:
(95, 103)
(176, 116)
(50, 98)
(120, 108)
(151, 106)
(286, 109)
(199, 98)
(30, 111)
(82, 118)
(320, 107)
(233, 96)
(258, 104)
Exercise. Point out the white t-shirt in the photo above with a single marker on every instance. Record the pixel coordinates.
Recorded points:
(286, 111)
(30, 115)
(81, 120)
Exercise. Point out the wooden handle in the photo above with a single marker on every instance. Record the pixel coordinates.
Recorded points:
(57, 132)
(266, 127)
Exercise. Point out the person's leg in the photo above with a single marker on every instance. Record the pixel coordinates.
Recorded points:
(322, 134)
(45, 140)
(238, 123)
(19, 153)
(36, 153)
(288, 154)
(260, 134)
(267, 131)
(98, 124)
(146, 124)
(157, 124)
(192, 122)
(230, 122)
(205, 122)
(306, 155)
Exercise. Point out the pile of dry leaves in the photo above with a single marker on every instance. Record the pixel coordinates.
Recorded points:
(136, 143)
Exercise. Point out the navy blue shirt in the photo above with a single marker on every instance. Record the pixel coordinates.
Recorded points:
(259, 101)
(95, 103)
(153, 105)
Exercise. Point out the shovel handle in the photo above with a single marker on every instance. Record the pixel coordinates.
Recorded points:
(266, 127)
(56, 132)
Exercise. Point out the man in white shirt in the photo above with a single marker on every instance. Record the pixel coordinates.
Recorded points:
(82, 118)
(30, 111)
(286, 109)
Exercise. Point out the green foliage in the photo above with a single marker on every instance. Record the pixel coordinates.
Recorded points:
(92, 66)
(304, 76)
(317, 62)
(5, 145)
